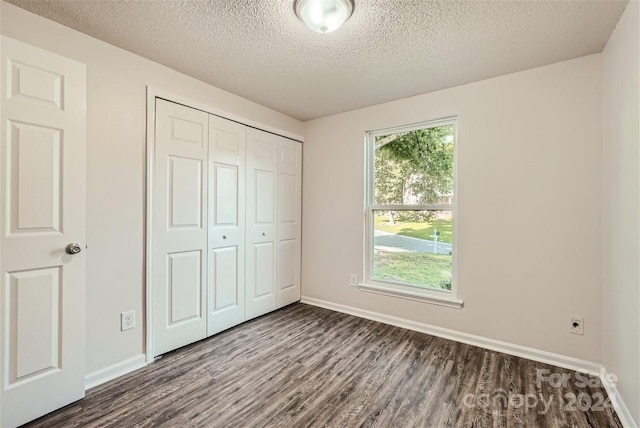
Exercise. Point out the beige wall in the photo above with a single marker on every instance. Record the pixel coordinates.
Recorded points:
(621, 207)
(529, 181)
(116, 115)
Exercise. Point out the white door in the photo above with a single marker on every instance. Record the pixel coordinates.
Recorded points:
(179, 226)
(289, 221)
(227, 151)
(42, 210)
(262, 165)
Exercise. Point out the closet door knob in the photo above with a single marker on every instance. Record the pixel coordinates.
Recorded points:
(224, 236)
(264, 234)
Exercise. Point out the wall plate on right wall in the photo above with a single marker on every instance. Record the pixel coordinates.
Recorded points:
(576, 325)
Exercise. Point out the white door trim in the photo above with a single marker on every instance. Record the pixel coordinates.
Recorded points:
(152, 94)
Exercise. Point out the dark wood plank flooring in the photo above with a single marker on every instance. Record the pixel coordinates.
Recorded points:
(304, 366)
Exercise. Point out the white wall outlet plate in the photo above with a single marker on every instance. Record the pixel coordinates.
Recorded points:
(576, 325)
(127, 320)
(353, 280)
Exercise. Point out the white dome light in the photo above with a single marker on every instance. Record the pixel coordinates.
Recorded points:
(324, 16)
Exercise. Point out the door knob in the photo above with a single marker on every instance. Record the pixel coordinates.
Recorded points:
(73, 248)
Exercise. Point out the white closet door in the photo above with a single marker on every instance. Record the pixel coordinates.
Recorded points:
(179, 226)
(289, 221)
(261, 227)
(42, 210)
(227, 152)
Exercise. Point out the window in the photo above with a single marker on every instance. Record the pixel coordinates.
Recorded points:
(410, 212)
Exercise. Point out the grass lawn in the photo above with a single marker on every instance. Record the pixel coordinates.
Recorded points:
(422, 230)
(421, 269)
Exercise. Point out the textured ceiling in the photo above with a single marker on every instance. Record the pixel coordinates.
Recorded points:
(389, 49)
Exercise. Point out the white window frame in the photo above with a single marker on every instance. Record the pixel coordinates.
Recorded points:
(447, 298)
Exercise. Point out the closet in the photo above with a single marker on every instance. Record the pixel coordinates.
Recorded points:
(225, 241)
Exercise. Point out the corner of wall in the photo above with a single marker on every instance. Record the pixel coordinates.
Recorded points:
(621, 213)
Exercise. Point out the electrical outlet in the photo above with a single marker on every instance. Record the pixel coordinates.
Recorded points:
(577, 325)
(353, 280)
(127, 320)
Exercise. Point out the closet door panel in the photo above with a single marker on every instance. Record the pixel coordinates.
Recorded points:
(184, 283)
(264, 198)
(261, 225)
(224, 272)
(287, 272)
(288, 200)
(179, 226)
(227, 151)
(289, 221)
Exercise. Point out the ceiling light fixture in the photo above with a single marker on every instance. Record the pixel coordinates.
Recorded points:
(323, 16)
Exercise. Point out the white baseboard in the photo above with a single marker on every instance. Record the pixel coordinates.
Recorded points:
(470, 339)
(113, 371)
(618, 404)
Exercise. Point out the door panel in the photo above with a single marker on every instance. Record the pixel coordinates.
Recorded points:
(227, 150)
(34, 84)
(179, 226)
(289, 221)
(289, 159)
(34, 180)
(189, 132)
(264, 197)
(262, 166)
(185, 283)
(225, 276)
(34, 308)
(185, 192)
(287, 205)
(42, 209)
(287, 258)
(226, 179)
(264, 255)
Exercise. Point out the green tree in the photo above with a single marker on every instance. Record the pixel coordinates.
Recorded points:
(414, 167)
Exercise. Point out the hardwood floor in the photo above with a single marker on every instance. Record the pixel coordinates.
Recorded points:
(304, 366)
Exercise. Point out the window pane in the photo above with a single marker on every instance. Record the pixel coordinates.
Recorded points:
(413, 248)
(415, 167)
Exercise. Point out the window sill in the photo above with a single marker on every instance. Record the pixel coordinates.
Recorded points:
(426, 296)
